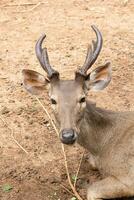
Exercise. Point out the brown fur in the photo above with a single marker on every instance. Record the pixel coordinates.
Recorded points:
(109, 136)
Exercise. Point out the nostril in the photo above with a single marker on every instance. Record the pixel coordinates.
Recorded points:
(68, 134)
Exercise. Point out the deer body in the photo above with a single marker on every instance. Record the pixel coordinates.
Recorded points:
(109, 136)
(101, 134)
(112, 148)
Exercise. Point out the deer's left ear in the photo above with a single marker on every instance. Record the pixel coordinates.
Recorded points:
(34, 82)
(99, 78)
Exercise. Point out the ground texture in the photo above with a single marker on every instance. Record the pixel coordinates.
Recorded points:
(40, 174)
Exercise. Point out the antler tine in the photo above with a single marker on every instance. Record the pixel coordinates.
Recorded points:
(92, 52)
(43, 58)
(88, 56)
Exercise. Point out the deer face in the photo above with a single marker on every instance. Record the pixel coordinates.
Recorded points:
(68, 103)
(68, 97)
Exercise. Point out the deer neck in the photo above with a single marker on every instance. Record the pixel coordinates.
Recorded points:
(95, 129)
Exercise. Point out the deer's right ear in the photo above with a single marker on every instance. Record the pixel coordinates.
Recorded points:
(99, 78)
(34, 82)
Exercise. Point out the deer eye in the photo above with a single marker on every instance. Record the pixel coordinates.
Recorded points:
(82, 100)
(53, 101)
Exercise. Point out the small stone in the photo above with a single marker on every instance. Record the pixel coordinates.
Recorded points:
(30, 121)
(72, 48)
(86, 8)
(26, 137)
(4, 110)
(48, 125)
(45, 122)
(19, 111)
(11, 101)
(68, 55)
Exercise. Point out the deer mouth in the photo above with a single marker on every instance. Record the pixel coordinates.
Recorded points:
(68, 136)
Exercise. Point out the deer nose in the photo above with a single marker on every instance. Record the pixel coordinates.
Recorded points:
(68, 136)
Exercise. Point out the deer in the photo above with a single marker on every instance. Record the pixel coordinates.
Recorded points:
(107, 135)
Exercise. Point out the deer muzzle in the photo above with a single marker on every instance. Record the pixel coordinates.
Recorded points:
(68, 136)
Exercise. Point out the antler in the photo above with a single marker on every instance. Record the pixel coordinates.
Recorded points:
(42, 56)
(92, 52)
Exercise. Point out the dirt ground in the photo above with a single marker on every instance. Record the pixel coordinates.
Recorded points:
(40, 174)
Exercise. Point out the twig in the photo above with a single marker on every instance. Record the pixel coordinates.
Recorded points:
(64, 154)
(38, 4)
(65, 188)
(27, 4)
(76, 176)
(23, 4)
(68, 176)
(31, 9)
(12, 135)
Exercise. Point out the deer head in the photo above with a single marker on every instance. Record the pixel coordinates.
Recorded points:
(68, 97)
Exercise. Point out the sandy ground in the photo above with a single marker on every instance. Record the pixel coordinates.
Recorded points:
(40, 174)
